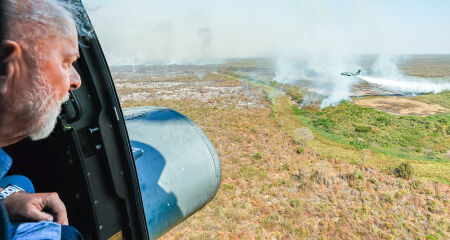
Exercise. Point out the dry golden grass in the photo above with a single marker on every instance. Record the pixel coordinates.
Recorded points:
(427, 66)
(402, 106)
(271, 190)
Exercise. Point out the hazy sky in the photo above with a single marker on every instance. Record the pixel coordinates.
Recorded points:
(143, 31)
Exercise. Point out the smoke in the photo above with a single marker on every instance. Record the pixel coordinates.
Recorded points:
(206, 37)
(324, 82)
(200, 75)
(288, 71)
(408, 85)
(322, 79)
(198, 31)
(312, 42)
(386, 66)
(386, 75)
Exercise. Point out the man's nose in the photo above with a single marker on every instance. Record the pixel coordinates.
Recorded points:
(75, 79)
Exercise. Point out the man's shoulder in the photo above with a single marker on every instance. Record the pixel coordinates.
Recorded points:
(5, 163)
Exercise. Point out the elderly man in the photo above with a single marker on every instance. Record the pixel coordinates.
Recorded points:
(36, 74)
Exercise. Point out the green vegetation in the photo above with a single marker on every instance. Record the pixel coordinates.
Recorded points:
(296, 203)
(300, 150)
(294, 92)
(257, 156)
(270, 220)
(356, 175)
(390, 140)
(403, 171)
(409, 137)
(363, 129)
(359, 144)
(249, 172)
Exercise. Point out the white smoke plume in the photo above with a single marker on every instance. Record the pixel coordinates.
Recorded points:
(325, 78)
(408, 85)
(288, 71)
(322, 78)
(386, 74)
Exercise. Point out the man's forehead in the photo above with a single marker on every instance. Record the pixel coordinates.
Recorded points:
(71, 53)
(70, 47)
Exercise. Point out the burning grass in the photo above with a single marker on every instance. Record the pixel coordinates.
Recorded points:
(270, 189)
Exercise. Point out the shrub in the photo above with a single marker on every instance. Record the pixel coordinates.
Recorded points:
(430, 237)
(312, 106)
(415, 185)
(359, 144)
(295, 93)
(300, 150)
(428, 190)
(432, 206)
(363, 129)
(285, 167)
(274, 83)
(296, 203)
(358, 175)
(443, 120)
(324, 123)
(431, 155)
(257, 156)
(317, 177)
(388, 197)
(382, 120)
(404, 170)
(227, 187)
(270, 220)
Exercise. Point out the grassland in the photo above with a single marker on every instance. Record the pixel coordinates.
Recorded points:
(424, 65)
(273, 187)
(422, 140)
(364, 135)
(442, 99)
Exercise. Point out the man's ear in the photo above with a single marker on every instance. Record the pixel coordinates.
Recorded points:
(10, 55)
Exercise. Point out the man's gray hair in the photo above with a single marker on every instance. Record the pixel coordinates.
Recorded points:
(32, 23)
(32, 20)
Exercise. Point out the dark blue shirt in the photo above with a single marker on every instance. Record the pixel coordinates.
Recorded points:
(5, 163)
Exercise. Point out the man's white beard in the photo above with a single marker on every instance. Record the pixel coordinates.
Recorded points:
(48, 120)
